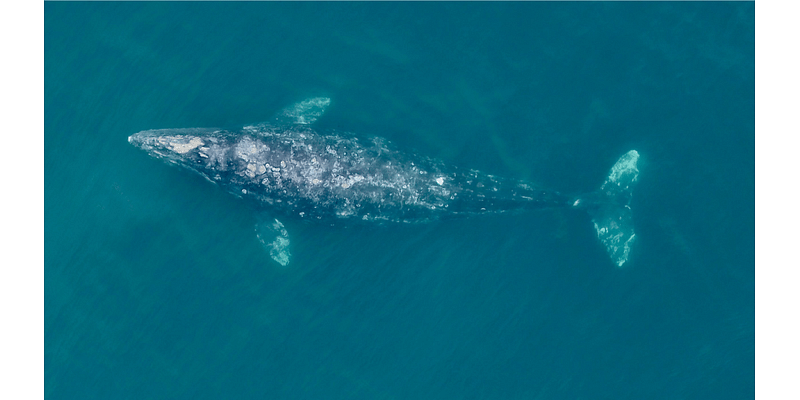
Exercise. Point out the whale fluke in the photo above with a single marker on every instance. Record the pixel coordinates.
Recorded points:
(611, 211)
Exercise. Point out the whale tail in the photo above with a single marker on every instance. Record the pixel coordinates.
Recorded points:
(610, 208)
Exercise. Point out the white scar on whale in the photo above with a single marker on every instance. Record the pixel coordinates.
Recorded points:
(290, 169)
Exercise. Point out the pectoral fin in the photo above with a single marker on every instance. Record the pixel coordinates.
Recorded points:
(304, 112)
(273, 235)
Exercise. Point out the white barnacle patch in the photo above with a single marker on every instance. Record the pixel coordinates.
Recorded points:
(352, 181)
(202, 150)
(440, 181)
(262, 169)
(183, 148)
(246, 148)
(251, 170)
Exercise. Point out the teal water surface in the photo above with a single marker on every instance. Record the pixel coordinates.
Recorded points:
(156, 286)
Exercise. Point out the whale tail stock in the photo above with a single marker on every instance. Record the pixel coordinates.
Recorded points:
(610, 208)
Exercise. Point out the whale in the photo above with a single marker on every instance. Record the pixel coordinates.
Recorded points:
(291, 170)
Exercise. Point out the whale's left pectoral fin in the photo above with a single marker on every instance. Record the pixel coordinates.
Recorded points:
(275, 239)
(304, 112)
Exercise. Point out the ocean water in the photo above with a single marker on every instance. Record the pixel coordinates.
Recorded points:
(156, 286)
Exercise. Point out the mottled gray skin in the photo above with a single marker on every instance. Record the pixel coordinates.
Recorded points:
(294, 170)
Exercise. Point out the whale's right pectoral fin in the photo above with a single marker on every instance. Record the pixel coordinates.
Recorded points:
(275, 239)
(304, 112)
(612, 217)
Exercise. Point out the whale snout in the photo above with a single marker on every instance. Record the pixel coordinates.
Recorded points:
(186, 147)
(176, 140)
(133, 139)
(144, 139)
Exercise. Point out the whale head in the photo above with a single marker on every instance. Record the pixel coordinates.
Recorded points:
(203, 150)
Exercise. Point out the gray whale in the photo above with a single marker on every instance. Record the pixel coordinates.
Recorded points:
(292, 169)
